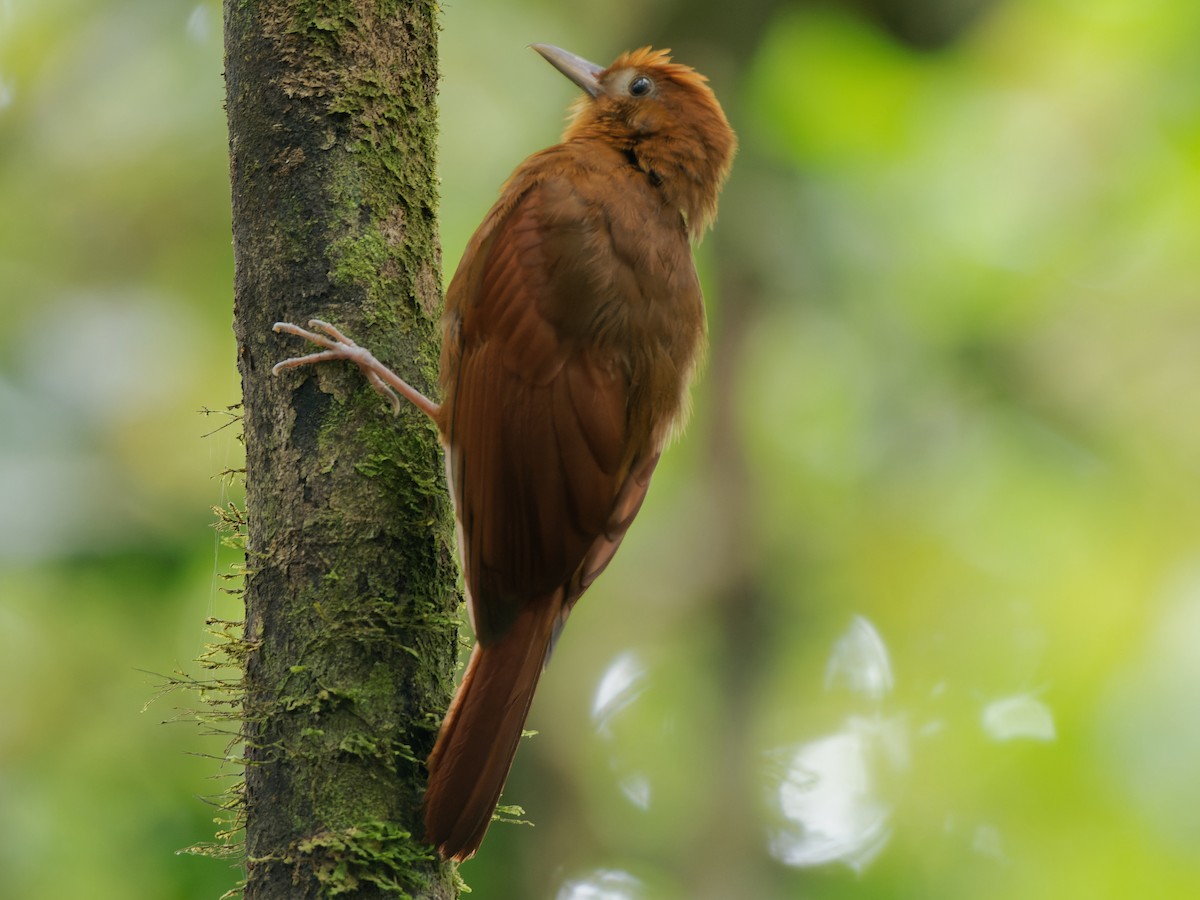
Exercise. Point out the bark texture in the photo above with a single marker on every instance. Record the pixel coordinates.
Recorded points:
(351, 589)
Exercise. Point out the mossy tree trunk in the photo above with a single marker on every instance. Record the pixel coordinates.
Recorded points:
(350, 592)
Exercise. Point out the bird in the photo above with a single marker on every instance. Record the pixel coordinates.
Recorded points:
(573, 327)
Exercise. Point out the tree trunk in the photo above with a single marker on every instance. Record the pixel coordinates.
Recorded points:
(351, 585)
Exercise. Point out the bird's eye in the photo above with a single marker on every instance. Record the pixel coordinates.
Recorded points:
(640, 86)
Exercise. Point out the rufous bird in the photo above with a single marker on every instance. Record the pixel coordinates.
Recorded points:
(572, 329)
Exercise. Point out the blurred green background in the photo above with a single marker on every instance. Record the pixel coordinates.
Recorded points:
(913, 609)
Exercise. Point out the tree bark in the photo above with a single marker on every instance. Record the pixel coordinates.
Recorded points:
(351, 591)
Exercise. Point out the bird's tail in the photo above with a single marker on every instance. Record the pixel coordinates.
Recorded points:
(479, 737)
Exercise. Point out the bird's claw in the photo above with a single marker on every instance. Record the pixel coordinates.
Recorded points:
(337, 346)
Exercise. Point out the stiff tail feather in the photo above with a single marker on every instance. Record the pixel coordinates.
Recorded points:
(479, 737)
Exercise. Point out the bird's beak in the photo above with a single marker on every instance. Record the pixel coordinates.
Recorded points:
(579, 70)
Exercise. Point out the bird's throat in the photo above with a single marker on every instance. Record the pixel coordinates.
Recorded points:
(655, 178)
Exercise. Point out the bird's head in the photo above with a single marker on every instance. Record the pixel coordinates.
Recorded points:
(660, 113)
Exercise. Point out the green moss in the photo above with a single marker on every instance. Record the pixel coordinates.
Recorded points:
(322, 701)
(221, 690)
(360, 260)
(383, 182)
(370, 852)
(222, 710)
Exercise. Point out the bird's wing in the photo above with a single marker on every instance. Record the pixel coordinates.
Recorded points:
(542, 470)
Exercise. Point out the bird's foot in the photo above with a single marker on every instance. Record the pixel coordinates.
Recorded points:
(338, 346)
